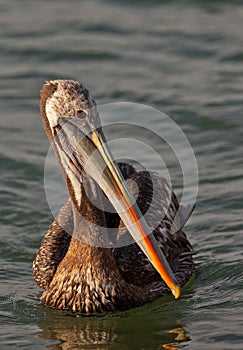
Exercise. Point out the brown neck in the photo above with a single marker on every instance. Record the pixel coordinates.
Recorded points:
(90, 224)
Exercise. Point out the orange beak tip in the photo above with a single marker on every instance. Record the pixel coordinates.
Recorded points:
(176, 291)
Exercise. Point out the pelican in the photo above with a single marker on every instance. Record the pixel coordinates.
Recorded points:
(82, 264)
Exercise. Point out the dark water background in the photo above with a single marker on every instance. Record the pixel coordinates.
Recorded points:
(182, 57)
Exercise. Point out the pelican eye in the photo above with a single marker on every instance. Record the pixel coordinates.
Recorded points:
(80, 114)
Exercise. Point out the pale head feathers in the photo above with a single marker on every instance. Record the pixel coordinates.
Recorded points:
(67, 99)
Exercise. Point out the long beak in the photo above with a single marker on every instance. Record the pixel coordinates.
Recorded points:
(92, 156)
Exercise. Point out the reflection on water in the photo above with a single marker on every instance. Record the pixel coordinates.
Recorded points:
(79, 334)
(180, 338)
(102, 332)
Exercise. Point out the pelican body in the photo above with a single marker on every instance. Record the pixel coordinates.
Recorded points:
(83, 264)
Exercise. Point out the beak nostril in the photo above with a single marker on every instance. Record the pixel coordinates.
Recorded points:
(57, 128)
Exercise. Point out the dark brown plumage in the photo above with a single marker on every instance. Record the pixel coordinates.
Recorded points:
(82, 277)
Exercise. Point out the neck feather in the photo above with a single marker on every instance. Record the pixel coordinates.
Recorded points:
(90, 218)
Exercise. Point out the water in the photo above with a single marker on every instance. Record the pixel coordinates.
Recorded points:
(183, 57)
